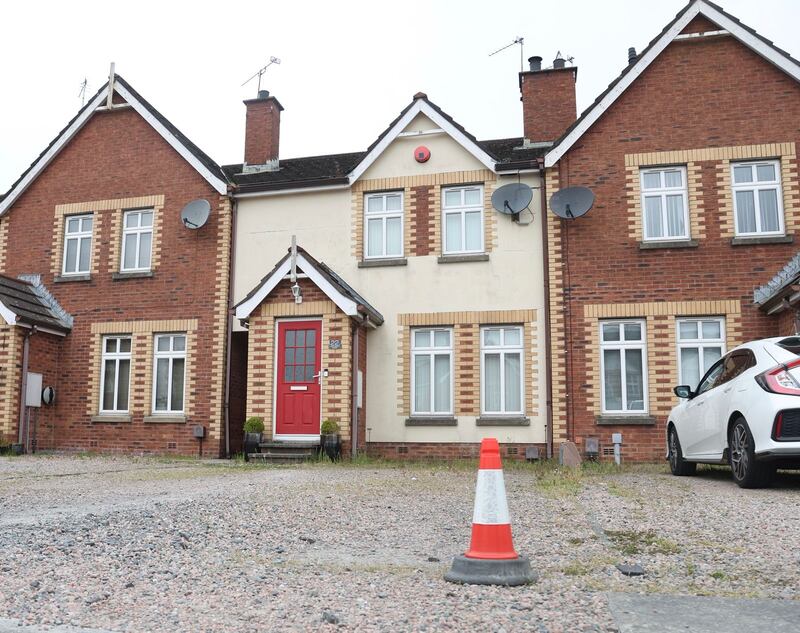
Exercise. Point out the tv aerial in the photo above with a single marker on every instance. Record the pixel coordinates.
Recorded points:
(195, 214)
(261, 71)
(517, 40)
(572, 202)
(513, 199)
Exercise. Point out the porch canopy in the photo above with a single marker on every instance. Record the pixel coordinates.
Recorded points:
(26, 302)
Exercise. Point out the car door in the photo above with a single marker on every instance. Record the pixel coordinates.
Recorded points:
(692, 431)
(719, 407)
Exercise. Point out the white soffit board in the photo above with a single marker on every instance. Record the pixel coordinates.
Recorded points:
(420, 105)
(8, 315)
(347, 305)
(700, 7)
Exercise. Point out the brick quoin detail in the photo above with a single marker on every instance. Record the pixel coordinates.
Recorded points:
(597, 269)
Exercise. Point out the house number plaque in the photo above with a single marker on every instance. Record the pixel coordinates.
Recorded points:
(335, 343)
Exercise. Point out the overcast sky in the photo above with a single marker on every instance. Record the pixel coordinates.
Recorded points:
(347, 67)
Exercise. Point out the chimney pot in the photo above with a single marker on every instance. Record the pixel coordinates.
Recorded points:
(535, 63)
(263, 94)
(559, 62)
(631, 55)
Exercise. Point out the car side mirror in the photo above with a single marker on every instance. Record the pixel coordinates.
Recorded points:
(683, 391)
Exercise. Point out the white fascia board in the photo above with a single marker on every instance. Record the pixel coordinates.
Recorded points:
(285, 192)
(46, 330)
(8, 315)
(217, 183)
(45, 160)
(421, 106)
(347, 305)
(700, 7)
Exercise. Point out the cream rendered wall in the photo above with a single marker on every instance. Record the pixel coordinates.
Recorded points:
(511, 279)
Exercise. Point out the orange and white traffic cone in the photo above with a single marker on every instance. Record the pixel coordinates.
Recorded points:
(491, 558)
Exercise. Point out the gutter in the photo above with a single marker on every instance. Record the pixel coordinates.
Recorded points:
(547, 342)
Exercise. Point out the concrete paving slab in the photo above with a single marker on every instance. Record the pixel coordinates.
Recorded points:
(658, 613)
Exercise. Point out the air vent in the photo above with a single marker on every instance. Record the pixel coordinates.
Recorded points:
(93, 444)
(171, 446)
(608, 451)
(402, 450)
(512, 450)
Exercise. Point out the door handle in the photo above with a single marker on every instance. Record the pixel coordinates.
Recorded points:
(700, 404)
(727, 389)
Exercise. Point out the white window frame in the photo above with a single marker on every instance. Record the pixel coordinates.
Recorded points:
(383, 216)
(755, 187)
(431, 351)
(462, 210)
(116, 357)
(663, 192)
(700, 343)
(138, 231)
(77, 236)
(623, 345)
(502, 349)
(170, 355)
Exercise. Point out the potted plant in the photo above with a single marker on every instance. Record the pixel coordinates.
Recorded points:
(330, 439)
(253, 431)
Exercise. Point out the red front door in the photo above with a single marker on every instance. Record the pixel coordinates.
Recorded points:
(298, 385)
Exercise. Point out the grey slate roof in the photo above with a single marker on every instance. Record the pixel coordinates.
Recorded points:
(32, 304)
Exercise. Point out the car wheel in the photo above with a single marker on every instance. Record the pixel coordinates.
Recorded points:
(747, 472)
(679, 466)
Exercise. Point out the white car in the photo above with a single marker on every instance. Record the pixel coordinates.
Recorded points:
(745, 412)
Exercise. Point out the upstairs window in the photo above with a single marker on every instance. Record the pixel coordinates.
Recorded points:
(383, 216)
(623, 366)
(169, 374)
(757, 198)
(137, 240)
(77, 244)
(664, 203)
(462, 209)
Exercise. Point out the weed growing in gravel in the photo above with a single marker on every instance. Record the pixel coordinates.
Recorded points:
(718, 575)
(576, 568)
(635, 542)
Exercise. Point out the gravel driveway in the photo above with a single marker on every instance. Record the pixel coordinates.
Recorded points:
(127, 544)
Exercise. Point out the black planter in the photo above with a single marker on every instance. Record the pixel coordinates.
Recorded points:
(251, 442)
(332, 445)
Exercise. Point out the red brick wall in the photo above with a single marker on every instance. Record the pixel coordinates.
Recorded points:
(44, 358)
(237, 400)
(118, 155)
(713, 93)
(548, 103)
(262, 131)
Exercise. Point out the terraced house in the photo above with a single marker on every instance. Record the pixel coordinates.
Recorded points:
(106, 296)
(692, 155)
(411, 311)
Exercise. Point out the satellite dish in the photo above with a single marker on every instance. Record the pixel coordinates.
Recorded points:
(195, 214)
(572, 202)
(513, 198)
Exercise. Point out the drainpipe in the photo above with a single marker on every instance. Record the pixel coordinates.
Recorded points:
(229, 333)
(547, 342)
(356, 330)
(26, 346)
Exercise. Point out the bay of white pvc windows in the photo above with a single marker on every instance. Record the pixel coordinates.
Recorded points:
(169, 374)
(462, 222)
(137, 242)
(501, 370)
(757, 201)
(700, 342)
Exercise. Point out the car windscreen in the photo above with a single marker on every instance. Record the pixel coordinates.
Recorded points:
(790, 344)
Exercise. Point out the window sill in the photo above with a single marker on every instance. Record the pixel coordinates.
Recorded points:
(111, 418)
(61, 279)
(143, 274)
(431, 421)
(460, 259)
(625, 420)
(646, 246)
(499, 420)
(773, 239)
(377, 263)
(165, 419)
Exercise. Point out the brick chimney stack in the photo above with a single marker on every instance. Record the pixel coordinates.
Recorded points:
(548, 99)
(262, 131)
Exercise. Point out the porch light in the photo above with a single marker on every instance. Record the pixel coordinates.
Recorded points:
(298, 298)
